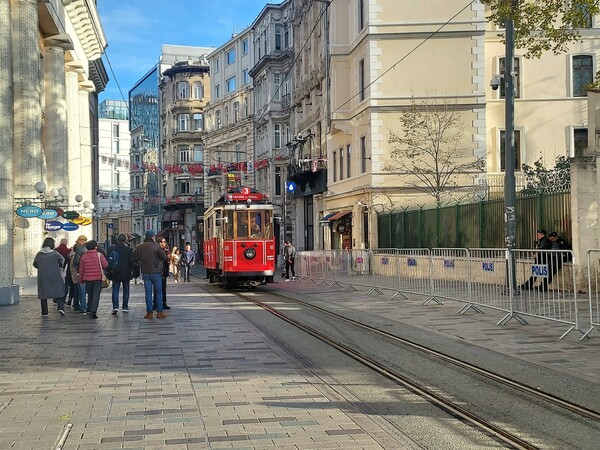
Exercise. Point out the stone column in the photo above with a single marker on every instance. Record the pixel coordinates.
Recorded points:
(9, 292)
(84, 186)
(55, 129)
(74, 72)
(28, 158)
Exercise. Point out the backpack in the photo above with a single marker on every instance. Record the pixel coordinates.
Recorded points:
(112, 269)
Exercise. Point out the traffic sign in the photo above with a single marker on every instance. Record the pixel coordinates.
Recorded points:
(290, 186)
(110, 225)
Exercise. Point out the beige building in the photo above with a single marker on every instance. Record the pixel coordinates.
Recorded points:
(184, 91)
(50, 75)
(382, 58)
(229, 137)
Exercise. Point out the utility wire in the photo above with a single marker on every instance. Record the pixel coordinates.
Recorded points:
(403, 58)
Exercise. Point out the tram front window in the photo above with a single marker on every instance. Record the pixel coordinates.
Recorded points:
(242, 225)
(255, 225)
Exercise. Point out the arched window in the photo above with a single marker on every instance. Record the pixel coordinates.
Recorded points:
(245, 106)
(236, 112)
(226, 114)
(218, 123)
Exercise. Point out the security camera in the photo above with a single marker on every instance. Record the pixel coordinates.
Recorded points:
(299, 137)
(495, 83)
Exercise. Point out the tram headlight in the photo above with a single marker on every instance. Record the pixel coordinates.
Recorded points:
(249, 253)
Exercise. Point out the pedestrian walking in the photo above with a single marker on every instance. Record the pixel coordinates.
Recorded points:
(541, 258)
(165, 273)
(91, 265)
(188, 259)
(289, 254)
(50, 282)
(174, 263)
(120, 271)
(79, 249)
(151, 256)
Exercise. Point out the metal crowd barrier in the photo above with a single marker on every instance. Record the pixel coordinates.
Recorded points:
(546, 286)
(593, 276)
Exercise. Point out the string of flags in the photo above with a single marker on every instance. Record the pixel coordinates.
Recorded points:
(200, 168)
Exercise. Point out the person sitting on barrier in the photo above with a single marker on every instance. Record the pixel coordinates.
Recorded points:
(542, 243)
(555, 259)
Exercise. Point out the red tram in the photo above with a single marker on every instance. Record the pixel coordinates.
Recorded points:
(239, 247)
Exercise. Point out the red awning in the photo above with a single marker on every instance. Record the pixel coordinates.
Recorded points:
(340, 215)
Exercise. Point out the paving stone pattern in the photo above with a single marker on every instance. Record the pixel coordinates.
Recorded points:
(202, 378)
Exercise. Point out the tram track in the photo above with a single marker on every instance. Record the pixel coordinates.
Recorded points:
(430, 394)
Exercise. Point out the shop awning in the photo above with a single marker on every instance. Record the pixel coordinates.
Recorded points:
(177, 215)
(167, 216)
(340, 215)
(326, 218)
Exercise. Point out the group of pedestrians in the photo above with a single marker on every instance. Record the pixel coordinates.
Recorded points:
(73, 276)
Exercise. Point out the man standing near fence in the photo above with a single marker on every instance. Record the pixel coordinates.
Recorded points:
(289, 254)
(541, 258)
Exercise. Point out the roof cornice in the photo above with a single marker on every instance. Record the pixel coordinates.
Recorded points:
(84, 17)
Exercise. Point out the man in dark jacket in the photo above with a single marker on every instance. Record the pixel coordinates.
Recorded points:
(151, 256)
(120, 273)
(188, 258)
(556, 258)
(541, 258)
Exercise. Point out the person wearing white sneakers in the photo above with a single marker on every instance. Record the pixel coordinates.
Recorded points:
(51, 284)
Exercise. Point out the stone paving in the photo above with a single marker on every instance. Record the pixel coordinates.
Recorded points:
(202, 378)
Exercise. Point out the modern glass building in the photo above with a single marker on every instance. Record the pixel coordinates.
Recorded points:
(143, 101)
(113, 109)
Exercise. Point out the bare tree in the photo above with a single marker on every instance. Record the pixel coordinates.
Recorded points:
(429, 149)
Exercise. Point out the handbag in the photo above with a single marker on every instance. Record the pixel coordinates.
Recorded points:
(105, 281)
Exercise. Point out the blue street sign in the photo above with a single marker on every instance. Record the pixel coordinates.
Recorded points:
(110, 225)
(290, 186)
(48, 214)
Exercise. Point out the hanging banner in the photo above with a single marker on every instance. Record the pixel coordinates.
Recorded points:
(70, 226)
(48, 214)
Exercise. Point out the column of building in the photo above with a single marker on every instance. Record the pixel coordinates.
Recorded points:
(87, 150)
(56, 124)
(27, 153)
(8, 291)
(74, 70)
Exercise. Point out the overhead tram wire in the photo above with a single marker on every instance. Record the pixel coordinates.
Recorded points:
(403, 58)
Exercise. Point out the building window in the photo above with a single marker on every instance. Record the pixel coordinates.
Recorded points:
(217, 64)
(230, 56)
(184, 187)
(277, 180)
(115, 146)
(197, 125)
(277, 135)
(184, 154)
(286, 36)
(363, 154)
(198, 153)
(218, 91)
(236, 112)
(230, 84)
(245, 76)
(583, 74)
(137, 182)
(277, 37)
(115, 127)
(246, 112)
(517, 150)
(226, 116)
(341, 163)
(361, 80)
(348, 161)
(585, 13)
(277, 86)
(183, 90)
(361, 15)
(334, 167)
(502, 65)
(198, 91)
(183, 121)
(218, 119)
(245, 46)
(580, 141)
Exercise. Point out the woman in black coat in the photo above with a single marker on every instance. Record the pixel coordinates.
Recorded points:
(50, 281)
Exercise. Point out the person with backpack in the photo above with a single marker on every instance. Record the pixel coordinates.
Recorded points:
(120, 271)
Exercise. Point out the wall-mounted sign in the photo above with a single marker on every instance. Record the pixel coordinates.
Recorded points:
(48, 214)
(70, 226)
(53, 225)
(86, 221)
(78, 220)
(28, 211)
(69, 215)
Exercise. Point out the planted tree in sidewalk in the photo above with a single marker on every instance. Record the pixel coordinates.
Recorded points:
(429, 150)
(544, 25)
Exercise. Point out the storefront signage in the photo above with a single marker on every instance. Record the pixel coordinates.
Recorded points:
(48, 214)
(28, 211)
(70, 226)
(53, 225)
(69, 215)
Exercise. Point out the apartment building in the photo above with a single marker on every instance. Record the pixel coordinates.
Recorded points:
(184, 92)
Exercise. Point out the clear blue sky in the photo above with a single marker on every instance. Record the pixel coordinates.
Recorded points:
(135, 30)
